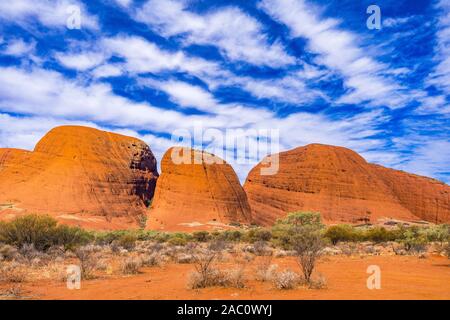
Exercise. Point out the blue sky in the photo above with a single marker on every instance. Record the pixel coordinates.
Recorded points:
(310, 69)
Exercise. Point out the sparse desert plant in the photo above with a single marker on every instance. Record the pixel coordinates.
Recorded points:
(308, 244)
(206, 274)
(87, 262)
(234, 278)
(302, 232)
(130, 265)
(152, 260)
(286, 280)
(414, 241)
(201, 236)
(319, 283)
(265, 270)
(8, 252)
(258, 234)
(127, 241)
(447, 249)
(13, 272)
(260, 248)
(142, 221)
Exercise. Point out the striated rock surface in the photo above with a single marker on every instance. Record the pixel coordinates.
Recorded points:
(10, 156)
(196, 190)
(81, 176)
(344, 188)
(427, 198)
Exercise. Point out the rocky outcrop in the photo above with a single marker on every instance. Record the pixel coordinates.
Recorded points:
(427, 198)
(344, 188)
(196, 190)
(82, 176)
(9, 156)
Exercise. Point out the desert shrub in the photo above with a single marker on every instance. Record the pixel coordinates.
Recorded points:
(142, 221)
(201, 236)
(308, 244)
(260, 248)
(127, 241)
(319, 283)
(285, 230)
(339, 233)
(177, 238)
(130, 265)
(87, 260)
(379, 234)
(230, 236)
(8, 252)
(257, 234)
(13, 272)
(414, 240)
(286, 280)
(302, 232)
(234, 278)
(265, 270)
(206, 275)
(42, 231)
(447, 249)
(439, 233)
(151, 260)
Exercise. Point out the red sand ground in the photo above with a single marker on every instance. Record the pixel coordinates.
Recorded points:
(403, 277)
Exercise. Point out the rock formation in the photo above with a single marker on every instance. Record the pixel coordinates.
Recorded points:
(344, 188)
(81, 176)
(196, 190)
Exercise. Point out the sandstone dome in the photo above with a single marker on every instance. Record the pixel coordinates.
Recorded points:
(82, 176)
(344, 188)
(199, 192)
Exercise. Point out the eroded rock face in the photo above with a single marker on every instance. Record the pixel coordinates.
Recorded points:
(343, 187)
(9, 156)
(427, 198)
(199, 193)
(79, 175)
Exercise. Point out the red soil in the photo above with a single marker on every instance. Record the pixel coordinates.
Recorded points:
(402, 277)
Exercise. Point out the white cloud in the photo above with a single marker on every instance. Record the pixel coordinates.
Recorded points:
(338, 50)
(238, 36)
(80, 61)
(52, 13)
(18, 48)
(440, 77)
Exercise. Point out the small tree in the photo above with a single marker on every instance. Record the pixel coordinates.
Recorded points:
(308, 244)
(302, 232)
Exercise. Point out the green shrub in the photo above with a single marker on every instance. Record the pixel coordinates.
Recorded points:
(176, 241)
(42, 231)
(201, 236)
(127, 241)
(342, 232)
(414, 240)
(379, 234)
(285, 231)
(258, 234)
(230, 236)
(439, 233)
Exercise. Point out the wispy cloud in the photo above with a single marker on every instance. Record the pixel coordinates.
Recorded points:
(239, 36)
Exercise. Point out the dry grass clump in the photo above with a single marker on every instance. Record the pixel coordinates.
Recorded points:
(131, 265)
(319, 283)
(151, 260)
(265, 270)
(13, 272)
(286, 280)
(87, 260)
